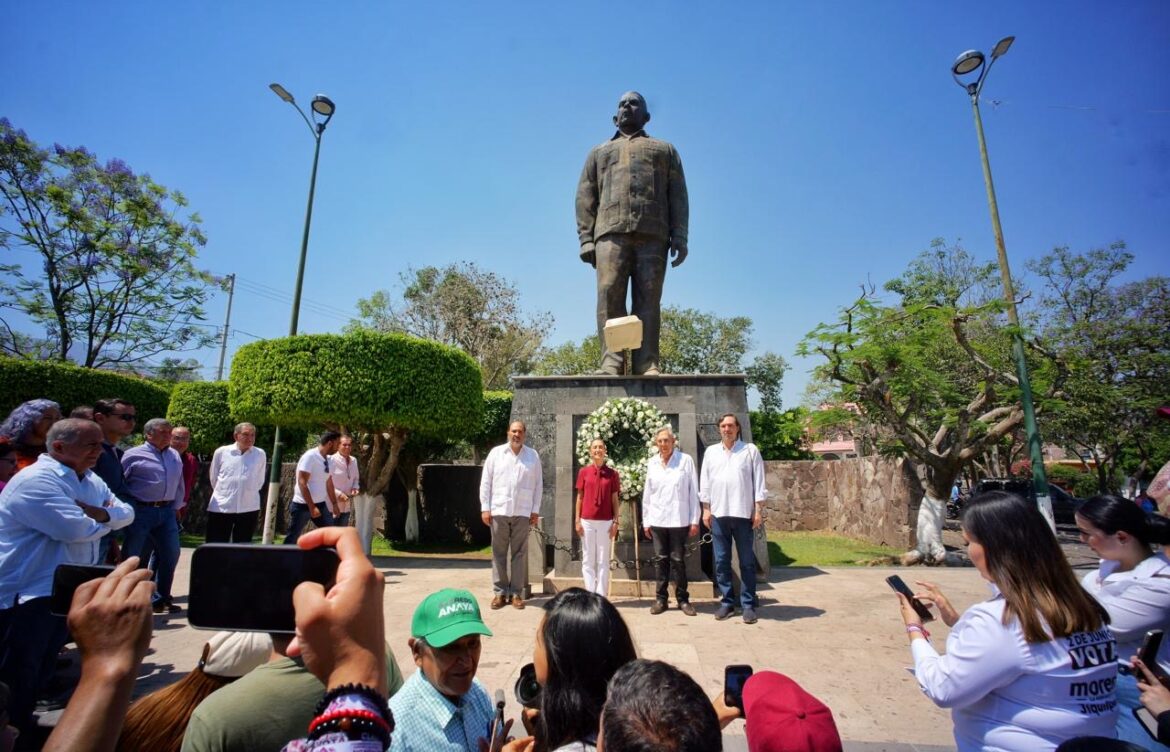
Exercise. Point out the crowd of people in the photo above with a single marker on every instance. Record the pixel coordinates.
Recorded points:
(1047, 662)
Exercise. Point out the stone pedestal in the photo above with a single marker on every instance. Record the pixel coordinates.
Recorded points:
(553, 408)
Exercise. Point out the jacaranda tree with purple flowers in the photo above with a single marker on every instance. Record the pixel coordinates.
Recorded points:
(99, 266)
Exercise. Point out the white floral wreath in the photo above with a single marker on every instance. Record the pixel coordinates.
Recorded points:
(627, 426)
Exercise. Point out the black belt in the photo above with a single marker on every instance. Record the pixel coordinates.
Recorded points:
(152, 503)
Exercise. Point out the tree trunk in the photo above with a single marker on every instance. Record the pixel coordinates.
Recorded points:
(932, 514)
(412, 516)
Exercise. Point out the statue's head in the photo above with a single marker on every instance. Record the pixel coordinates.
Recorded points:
(632, 114)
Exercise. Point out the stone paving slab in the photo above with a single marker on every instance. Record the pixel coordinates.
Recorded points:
(836, 631)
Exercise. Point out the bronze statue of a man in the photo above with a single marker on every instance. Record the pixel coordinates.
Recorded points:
(631, 210)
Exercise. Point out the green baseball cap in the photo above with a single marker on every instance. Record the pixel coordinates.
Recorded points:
(446, 616)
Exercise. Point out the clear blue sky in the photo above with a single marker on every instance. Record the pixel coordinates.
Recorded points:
(824, 142)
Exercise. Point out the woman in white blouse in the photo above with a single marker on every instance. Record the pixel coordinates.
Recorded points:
(1035, 664)
(1133, 584)
(670, 515)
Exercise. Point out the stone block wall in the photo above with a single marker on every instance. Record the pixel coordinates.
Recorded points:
(872, 498)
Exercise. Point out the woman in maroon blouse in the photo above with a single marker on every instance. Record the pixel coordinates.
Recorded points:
(598, 488)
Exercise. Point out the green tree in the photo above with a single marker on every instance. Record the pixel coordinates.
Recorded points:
(114, 282)
(569, 358)
(766, 375)
(1115, 339)
(466, 307)
(781, 435)
(383, 388)
(934, 373)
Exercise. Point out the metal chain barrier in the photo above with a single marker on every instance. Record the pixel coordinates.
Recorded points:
(615, 563)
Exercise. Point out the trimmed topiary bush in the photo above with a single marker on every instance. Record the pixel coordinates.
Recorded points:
(202, 406)
(71, 386)
(386, 386)
(493, 429)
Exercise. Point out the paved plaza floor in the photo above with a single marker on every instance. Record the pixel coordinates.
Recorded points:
(836, 631)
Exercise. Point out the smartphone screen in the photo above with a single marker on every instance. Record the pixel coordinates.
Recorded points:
(1148, 721)
(899, 585)
(249, 587)
(66, 579)
(734, 678)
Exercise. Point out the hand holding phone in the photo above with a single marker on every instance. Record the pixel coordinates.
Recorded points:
(66, 579)
(734, 677)
(899, 586)
(250, 588)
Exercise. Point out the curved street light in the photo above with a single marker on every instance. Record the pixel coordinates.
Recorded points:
(971, 63)
(322, 108)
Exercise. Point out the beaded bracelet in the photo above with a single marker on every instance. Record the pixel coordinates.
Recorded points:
(369, 694)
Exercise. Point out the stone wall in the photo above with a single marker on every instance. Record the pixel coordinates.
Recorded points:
(872, 498)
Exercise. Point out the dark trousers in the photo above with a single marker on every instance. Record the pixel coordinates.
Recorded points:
(668, 550)
(724, 532)
(30, 638)
(623, 258)
(155, 526)
(299, 516)
(231, 527)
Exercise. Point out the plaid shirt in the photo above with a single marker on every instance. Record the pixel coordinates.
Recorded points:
(426, 721)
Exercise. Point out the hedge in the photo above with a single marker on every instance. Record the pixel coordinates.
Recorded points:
(71, 386)
(203, 407)
(497, 412)
(365, 380)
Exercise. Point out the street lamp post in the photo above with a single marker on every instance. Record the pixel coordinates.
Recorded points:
(321, 106)
(971, 63)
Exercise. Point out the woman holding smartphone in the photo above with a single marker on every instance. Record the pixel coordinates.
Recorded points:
(1035, 664)
(1133, 584)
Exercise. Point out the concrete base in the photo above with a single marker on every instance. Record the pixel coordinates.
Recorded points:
(553, 408)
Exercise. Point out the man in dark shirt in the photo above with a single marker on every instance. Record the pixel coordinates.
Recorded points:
(631, 210)
(116, 417)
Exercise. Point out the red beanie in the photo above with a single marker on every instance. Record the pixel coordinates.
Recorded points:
(782, 717)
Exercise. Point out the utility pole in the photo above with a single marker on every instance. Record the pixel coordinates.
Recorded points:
(227, 321)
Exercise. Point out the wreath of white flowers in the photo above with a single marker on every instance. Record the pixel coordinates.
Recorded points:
(627, 426)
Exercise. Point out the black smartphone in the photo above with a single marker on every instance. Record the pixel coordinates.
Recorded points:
(899, 586)
(734, 677)
(66, 579)
(1148, 654)
(248, 588)
(1148, 721)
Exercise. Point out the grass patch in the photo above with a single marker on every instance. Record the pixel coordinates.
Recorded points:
(818, 549)
(383, 547)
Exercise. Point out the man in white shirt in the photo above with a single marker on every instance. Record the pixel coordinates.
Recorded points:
(347, 483)
(670, 515)
(732, 492)
(313, 495)
(52, 512)
(237, 475)
(509, 502)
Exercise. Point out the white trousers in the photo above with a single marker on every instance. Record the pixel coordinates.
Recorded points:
(595, 555)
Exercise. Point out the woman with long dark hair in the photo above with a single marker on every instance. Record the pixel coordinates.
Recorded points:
(1133, 584)
(1035, 664)
(580, 644)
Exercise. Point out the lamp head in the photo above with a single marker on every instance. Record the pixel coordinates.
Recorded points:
(281, 92)
(323, 106)
(1002, 46)
(969, 62)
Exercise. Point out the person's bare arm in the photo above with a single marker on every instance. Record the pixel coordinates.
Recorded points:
(577, 515)
(303, 484)
(111, 621)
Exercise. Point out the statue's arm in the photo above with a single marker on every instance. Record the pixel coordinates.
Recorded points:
(587, 202)
(680, 209)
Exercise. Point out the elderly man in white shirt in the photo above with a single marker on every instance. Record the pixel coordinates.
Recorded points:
(670, 515)
(237, 475)
(509, 502)
(732, 493)
(52, 512)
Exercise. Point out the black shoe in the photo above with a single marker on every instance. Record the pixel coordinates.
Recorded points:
(687, 609)
(166, 607)
(749, 616)
(657, 608)
(724, 612)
